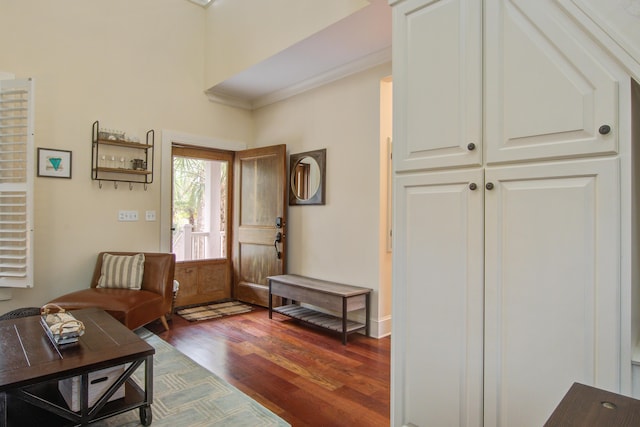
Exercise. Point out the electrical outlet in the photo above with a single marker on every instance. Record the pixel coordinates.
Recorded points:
(150, 215)
(127, 215)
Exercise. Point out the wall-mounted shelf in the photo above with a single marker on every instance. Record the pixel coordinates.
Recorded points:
(119, 160)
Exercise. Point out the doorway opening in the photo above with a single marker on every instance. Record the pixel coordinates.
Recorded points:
(202, 188)
(386, 203)
(200, 214)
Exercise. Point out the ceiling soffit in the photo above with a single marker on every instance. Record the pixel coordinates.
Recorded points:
(356, 43)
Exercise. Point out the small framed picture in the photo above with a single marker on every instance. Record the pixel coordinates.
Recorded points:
(54, 163)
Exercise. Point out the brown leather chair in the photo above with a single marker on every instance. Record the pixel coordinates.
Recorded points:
(133, 308)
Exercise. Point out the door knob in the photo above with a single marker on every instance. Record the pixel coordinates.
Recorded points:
(472, 186)
(489, 186)
(471, 146)
(604, 129)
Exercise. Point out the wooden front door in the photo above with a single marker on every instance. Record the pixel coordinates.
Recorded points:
(261, 177)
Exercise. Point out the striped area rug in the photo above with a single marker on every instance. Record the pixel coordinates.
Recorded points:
(213, 311)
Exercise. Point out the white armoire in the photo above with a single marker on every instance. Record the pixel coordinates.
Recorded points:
(513, 212)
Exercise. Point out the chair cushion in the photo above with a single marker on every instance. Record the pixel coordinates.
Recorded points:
(121, 271)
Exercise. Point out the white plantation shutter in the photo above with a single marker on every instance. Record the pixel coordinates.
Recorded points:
(16, 183)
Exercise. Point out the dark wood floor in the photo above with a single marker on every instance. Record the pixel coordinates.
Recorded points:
(304, 375)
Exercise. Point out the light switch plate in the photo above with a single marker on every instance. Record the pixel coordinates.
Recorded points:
(127, 215)
(150, 215)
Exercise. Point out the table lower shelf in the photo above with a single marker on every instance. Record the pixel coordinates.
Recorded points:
(316, 318)
(21, 413)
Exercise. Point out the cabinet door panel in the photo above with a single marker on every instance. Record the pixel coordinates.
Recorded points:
(552, 286)
(438, 300)
(547, 94)
(437, 83)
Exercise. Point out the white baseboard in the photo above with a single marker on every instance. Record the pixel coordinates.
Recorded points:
(380, 328)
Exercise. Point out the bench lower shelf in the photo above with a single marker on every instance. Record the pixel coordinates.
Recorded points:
(314, 317)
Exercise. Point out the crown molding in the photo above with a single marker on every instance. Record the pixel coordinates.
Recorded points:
(362, 64)
(609, 30)
(203, 3)
(220, 97)
(369, 61)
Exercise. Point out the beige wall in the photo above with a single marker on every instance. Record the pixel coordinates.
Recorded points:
(139, 65)
(133, 65)
(341, 240)
(245, 32)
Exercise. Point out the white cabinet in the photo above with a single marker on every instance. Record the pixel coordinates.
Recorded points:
(546, 94)
(437, 83)
(438, 294)
(507, 258)
(552, 289)
(514, 282)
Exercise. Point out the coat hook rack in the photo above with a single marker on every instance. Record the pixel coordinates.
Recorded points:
(109, 145)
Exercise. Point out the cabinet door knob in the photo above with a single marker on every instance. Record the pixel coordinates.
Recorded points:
(472, 186)
(489, 186)
(604, 129)
(471, 146)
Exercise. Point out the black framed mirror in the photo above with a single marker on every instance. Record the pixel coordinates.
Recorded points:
(307, 176)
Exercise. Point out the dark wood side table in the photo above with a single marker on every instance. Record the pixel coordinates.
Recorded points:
(30, 367)
(586, 406)
(320, 293)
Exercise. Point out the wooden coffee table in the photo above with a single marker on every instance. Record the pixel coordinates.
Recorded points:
(31, 366)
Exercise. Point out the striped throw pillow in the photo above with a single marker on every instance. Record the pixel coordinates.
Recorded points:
(121, 271)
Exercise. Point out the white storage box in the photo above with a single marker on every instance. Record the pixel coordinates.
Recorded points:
(99, 382)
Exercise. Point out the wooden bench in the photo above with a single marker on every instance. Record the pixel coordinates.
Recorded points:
(331, 296)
